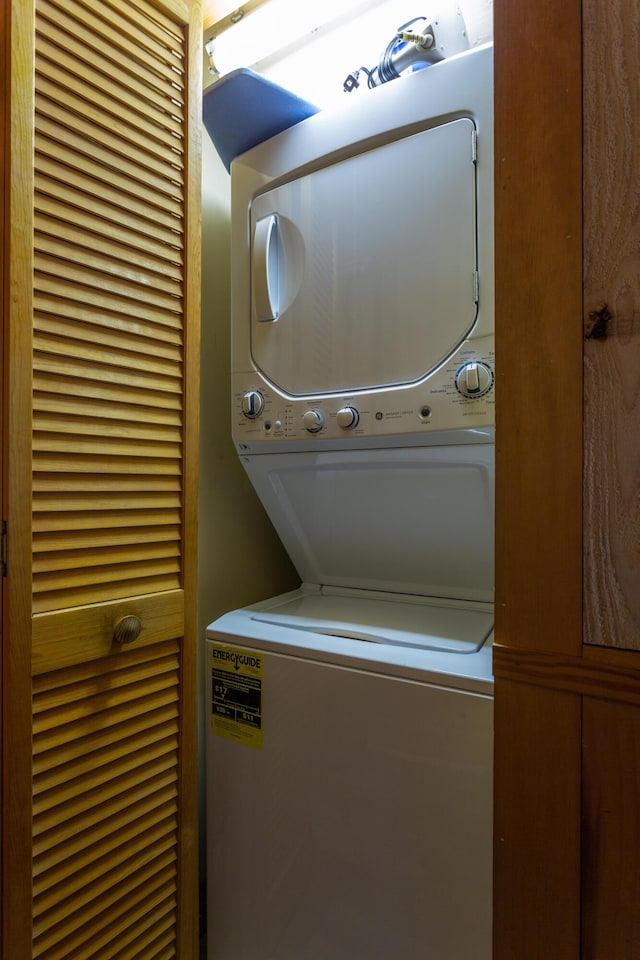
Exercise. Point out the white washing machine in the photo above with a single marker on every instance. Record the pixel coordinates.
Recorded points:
(349, 751)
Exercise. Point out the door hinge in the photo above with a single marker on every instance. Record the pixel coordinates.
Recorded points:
(474, 147)
(4, 548)
(476, 287)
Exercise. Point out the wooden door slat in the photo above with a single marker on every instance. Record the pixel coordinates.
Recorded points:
(134, 304)
(105, 223)
(48, 405)
(139, 42)
(102, 577)
(161, 948)
(127, 126)
(115, 191)
(75, 321)
(116, 445)
(69, 483)
(126, 712)
(51, 229)
(160, 157)
(44, 807)
(147, 919)
(109, 739)
(61, 784)
(77, 700)
(87, 208)
(115, 922)
(162, 20)
(90, 372)
(113, 185)
(159, 66)
(56, 48)
(104, 465)
(81, 423)
(105, 539)
(59, 842)
(100, 354)
(123, 674)
(118, 590)
(109, 558)
(92, 891)
(108, 269)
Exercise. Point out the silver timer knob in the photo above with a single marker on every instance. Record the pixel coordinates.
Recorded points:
(313, 421)
(474, 379)
(252, 404)
(347, 417)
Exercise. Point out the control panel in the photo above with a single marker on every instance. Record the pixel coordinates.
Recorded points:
(460, 394)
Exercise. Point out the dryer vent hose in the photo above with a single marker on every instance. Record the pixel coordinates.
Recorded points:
(412, 48)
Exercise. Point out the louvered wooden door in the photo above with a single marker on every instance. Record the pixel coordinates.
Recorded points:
(109, 513)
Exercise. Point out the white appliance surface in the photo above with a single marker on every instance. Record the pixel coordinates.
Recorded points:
(362, 828)
(362, 266)
(349, 750)
(415, 520)
(412, 638)
(376, 618)
(369, 326)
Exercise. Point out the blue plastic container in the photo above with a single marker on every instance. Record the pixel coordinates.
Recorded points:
(243, 109)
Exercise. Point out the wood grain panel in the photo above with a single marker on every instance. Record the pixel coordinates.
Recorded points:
(64, 638)
(613, 677)
(86, 208)
(82, 891)
(16, 734)
(538, 201)
(102, 421)
(612, 324)
(611, 831)
(537, 823)
(104, 285)
(5, 104)
(109, 32)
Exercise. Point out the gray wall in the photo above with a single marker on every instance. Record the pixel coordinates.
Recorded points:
(240, 558)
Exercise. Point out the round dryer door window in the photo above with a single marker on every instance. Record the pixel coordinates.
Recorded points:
(364, 271)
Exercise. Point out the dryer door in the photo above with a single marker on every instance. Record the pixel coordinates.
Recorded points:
(363, 272)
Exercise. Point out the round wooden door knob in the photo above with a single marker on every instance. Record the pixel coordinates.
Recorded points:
(127, 629)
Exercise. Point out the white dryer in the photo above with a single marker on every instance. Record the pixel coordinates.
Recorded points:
(349, 773)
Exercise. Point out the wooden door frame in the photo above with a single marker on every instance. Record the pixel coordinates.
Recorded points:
(188, 873)
(539, 454)
(4, 193)
(17, 776)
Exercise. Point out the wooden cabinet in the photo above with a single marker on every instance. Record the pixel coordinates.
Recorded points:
(611, 324)
(102, 315)
(567, 861)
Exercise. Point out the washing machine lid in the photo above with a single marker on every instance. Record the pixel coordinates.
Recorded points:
(411, 521)
(447, 626)
(328, 314)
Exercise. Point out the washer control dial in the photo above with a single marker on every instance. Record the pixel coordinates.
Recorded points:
(313, 421)
(252, 404)
(347, 418)
(474, 379)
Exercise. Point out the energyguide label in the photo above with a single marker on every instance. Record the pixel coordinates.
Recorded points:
(236, 694)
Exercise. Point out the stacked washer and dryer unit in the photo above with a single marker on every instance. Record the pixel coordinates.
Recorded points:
(349, 750)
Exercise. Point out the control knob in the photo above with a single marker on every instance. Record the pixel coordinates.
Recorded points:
(474, 379)
(347, 418)
(252, 404)
(313, 421)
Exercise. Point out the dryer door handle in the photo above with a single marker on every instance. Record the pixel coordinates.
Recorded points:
(267, 251)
